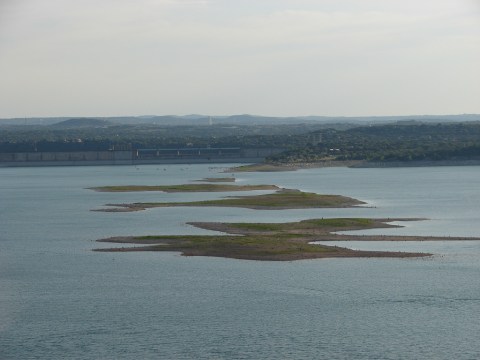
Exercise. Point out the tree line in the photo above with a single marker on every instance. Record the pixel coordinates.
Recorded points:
(302, 142)
(389, 143)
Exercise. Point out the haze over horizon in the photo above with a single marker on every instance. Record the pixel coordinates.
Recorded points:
(272, 58)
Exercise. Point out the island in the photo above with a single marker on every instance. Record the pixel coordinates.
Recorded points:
(274, 241)
(219, 179)
(184, 188)
(279, 200)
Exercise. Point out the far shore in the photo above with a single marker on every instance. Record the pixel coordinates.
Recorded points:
(294, 166)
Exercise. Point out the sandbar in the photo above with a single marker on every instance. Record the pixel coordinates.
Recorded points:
(280, 200)
(275, 241)
(216, 180)
(184, 188)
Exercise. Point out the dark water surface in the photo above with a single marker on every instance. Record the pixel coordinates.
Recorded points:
(58, 299)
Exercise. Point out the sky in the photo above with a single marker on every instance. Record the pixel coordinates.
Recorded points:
(223, 57)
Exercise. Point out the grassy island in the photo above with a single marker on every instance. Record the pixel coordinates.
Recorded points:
(185, 188)
(216, 180)
(292, 166)
(280, 200)
(272, 241)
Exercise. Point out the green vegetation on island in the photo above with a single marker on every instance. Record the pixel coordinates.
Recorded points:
(217, 180)
(184, 188)
(265, 241)
(283, 199)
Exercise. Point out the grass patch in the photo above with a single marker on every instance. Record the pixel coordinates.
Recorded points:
(314, 224)
(242, 247)
(343, 223)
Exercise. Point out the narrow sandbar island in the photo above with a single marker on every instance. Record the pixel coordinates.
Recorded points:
(217, 180)
(274, 241)
(280, 200)
(184, 188)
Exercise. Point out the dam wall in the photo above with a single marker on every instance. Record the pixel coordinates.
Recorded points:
(136, 157)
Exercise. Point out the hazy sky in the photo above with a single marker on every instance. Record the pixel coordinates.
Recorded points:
(265, 57)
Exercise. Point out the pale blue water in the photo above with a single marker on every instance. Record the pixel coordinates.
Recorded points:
(58, 299)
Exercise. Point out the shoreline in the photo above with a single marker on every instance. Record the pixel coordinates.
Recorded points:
(415, 163)
(354, 164)
(256, 164)
(276, 167)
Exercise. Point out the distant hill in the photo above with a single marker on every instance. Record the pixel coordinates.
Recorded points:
(241, 119)
(81, 122)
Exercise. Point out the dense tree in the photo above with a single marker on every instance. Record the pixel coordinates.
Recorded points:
(392, 143)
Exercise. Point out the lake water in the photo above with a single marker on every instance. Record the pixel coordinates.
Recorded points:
(58, 299)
